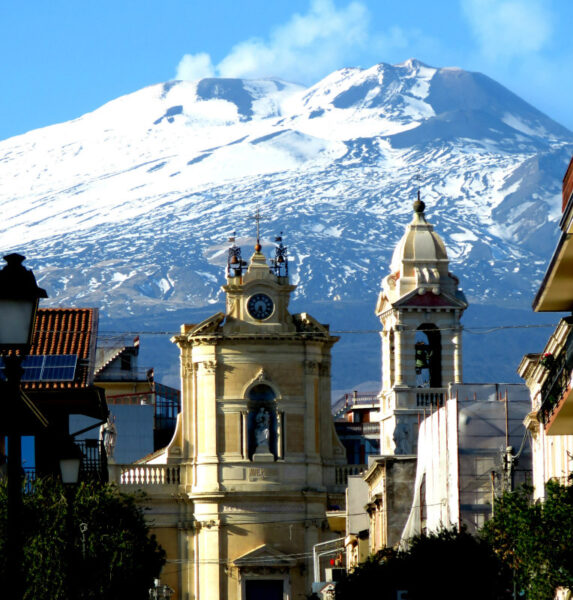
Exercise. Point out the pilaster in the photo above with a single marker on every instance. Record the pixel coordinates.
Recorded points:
(206, 398)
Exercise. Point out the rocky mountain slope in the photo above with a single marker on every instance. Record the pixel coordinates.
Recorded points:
(129, 207)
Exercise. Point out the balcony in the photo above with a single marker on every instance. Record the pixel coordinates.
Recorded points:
(420, 398)
(140, 374)
(150, 478)
(355, 400)
(556, 411)
(344, 471)
(360, 429)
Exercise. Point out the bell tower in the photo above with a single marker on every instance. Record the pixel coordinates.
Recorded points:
(419, 306)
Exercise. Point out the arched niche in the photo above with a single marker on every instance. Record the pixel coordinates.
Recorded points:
(428, 347)
(262, 421)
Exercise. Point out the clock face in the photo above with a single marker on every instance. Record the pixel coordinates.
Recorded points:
(260, 306)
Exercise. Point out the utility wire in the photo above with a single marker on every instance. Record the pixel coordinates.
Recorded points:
(482, 330)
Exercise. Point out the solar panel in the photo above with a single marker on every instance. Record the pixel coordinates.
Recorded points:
(47, 367)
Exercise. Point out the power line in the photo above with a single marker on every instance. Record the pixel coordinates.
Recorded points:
(480, 330)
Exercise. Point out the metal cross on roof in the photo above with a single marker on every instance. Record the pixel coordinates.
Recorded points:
(418, 179)
(257, 217)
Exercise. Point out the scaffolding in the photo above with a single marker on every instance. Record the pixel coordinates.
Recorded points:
(469, 451)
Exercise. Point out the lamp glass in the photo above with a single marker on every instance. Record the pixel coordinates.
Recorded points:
(16, 321)
(70, 468)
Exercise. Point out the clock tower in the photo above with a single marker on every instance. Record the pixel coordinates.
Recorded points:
(256, 442)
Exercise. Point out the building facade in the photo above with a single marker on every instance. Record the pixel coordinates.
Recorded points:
(549, 374)
(252, 465)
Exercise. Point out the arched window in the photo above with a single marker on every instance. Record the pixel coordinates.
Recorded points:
(262, 421)
(428, 347)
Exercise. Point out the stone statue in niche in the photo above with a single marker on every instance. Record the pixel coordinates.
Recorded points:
(262, 430)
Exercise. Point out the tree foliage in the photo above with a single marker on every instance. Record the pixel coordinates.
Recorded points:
(449, 564)
(88, 543)
(535, 538)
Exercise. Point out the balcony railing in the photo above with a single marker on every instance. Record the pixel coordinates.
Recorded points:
(344, 471)
(139, 374)
(355, 399)
(344, 428)
(431, 397)
(557, 383)
(146, 475)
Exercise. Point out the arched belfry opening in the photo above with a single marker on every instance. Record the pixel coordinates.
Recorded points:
(428, 346)
(262, 421)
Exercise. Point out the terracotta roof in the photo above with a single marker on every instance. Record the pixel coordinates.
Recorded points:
(70, 331)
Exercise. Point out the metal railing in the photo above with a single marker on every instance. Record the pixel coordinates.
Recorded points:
(139, 374)
(345, 428)
(354, 399)
(323, 553)
(557, 383)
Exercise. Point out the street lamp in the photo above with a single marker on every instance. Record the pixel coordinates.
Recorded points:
(19, 296)
(70, 462)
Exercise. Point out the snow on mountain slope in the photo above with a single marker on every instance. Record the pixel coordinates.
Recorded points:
(128, 207)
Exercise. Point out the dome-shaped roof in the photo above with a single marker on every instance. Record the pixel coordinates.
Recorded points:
(420, 260)
(420, 243)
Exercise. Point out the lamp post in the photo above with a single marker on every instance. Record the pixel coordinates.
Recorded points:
(70, 462)
(19, 296)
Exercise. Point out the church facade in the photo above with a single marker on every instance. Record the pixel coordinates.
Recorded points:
(255, 450)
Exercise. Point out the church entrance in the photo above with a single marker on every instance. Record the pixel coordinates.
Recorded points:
(264, 589)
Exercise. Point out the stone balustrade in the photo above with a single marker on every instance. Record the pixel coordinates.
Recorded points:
(145, 475)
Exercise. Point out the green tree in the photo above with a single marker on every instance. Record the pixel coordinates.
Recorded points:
(535, 539)
(90, 542)
(448, 564)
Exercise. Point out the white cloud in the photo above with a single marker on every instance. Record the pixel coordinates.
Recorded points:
(508, 29)
(305, 48)
(195, 66)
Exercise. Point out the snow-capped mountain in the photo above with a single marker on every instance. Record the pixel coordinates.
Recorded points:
(129, 207)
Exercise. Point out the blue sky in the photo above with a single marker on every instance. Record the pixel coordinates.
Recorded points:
(63, 58)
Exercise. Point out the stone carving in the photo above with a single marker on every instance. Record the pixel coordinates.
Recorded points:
(401, 437)
(311, 367)
(188, 367)
(261, 376)
(208, 367)
(108, 435)
(324, 369)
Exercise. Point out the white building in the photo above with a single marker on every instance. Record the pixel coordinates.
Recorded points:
(469, 451)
